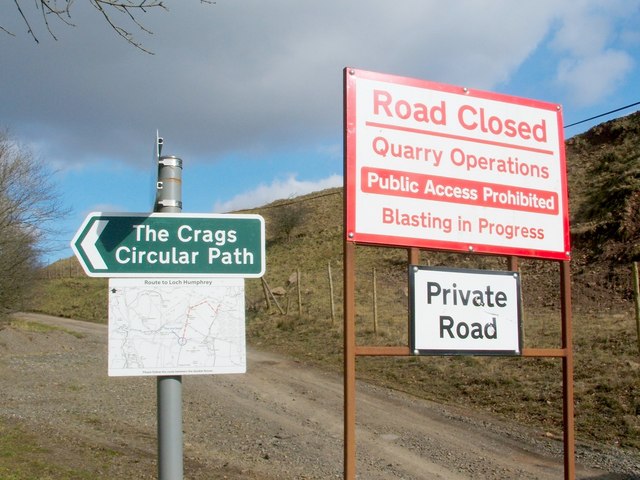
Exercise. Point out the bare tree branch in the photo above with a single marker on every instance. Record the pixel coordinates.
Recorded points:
(26, 21)
(127, 9)
(60, 10)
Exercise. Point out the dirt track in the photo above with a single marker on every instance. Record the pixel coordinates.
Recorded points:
(279, 420)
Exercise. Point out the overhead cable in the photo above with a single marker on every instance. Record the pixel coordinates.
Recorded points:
(602, 114)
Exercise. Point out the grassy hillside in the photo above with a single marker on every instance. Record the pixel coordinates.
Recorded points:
(604, 188)
(304, 235)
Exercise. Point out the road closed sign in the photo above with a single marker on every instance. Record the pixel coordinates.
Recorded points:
(439, 166)
(456, 311)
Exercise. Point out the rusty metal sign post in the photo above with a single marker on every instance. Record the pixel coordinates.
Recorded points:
(438, 167)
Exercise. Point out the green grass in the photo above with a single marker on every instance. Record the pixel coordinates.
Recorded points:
(24, 457)
(528, 390)
(79, 297)
(37, 327)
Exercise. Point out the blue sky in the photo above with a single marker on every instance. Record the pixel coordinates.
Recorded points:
(249, 93)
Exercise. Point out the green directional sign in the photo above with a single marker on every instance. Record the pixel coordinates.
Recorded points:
(171, 245)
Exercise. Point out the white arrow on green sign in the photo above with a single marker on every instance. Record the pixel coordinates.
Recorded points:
(170, 245)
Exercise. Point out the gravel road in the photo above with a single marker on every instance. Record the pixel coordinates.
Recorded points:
(280, 420)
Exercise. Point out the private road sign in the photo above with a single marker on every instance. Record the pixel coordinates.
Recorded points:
(461, 311)
(170, 245)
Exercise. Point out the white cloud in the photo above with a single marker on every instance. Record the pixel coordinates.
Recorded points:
(583, 34)
(590, 79)
(103, 207)
(243, 75)
(591, 64)
(278, 189)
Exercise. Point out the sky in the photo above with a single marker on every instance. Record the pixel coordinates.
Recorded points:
(249, 93)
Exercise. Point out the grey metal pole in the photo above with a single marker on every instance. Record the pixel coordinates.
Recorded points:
(169, 388)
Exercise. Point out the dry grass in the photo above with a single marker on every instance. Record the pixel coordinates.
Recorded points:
(529, 390)
(305, 234)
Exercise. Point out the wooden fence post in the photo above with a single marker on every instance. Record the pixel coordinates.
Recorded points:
(273, 297)
(266, 294)
(299, 293)
(375, 303)
(333, 307)
(636, 296)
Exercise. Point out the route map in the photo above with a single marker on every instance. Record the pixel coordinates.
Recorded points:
(173, 326)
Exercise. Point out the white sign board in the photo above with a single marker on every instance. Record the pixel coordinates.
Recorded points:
(439, 166)
(464, 311)
(176, 326)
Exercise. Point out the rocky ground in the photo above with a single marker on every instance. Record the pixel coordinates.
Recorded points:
(280, 420)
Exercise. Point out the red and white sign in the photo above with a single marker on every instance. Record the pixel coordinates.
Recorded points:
(438, 166)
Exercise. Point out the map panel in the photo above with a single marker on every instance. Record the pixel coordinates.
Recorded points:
(173, 326)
